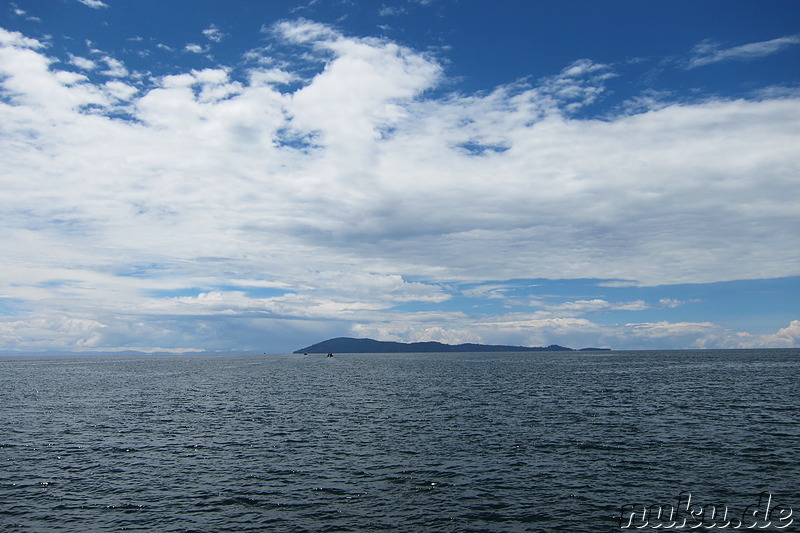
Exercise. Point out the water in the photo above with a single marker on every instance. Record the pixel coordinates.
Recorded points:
(391, 442)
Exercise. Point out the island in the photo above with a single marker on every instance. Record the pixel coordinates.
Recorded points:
(351, 345)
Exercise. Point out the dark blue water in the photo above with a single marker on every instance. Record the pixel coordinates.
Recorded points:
(394, 442)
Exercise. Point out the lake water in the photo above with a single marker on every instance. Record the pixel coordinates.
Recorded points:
(392, 442)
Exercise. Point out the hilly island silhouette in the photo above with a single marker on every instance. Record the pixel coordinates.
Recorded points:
(352, 345)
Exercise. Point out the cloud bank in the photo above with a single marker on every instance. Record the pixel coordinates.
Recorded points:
(320, 188)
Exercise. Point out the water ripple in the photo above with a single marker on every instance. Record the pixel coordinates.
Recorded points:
(395, 442)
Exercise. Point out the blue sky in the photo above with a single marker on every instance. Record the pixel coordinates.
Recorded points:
(258, 176)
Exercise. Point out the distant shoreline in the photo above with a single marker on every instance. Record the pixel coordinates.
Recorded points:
(234, 353)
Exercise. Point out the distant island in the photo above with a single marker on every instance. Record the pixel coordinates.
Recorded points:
(350, 345)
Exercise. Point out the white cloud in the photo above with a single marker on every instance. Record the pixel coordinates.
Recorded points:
(618, 284)
(17, 40)
(120, 90)
(535, 330)
(270, 76)
(486, 291)
(94, 4)
(213, 34)
(597, 305)
(23, 13)
(82, 62)
(710, 52)
(784, 338)
(415, 333)
(672, 303)
(389, 11)
(116, 68)
(347, 190)
(305, 31)
(788, 337)
(195, 48)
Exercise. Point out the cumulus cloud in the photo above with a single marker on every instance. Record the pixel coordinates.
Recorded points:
(120, 90)
(17, 40)
(356, 192)
(784, 338)
(82, 62)
(788, 337)
(115, 68)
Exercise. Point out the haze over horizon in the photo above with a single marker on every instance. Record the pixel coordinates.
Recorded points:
(257, 177)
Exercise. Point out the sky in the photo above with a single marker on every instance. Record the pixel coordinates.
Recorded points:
(255, 177)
